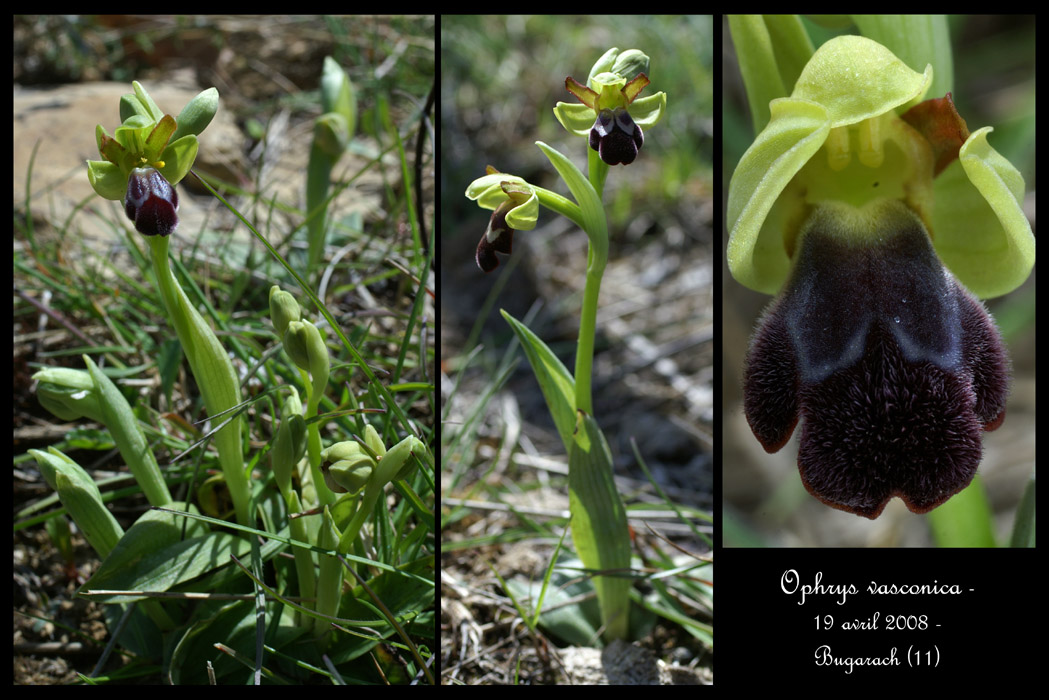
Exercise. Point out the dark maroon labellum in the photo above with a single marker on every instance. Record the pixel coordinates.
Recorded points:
(151, 202)
(498, 238)
(895, 368)
(616, 137)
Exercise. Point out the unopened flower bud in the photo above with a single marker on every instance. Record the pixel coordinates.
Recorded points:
(283, 309)
(305, 347)
(630, 63)
(346, 467)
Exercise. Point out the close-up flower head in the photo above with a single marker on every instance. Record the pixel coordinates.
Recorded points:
(148, 154)
(877, 220)
(610, 114)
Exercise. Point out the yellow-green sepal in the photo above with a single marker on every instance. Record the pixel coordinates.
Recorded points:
(979, 228)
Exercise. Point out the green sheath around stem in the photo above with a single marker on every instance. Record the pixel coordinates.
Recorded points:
(214, 373)
(329, 579)
(599, 526)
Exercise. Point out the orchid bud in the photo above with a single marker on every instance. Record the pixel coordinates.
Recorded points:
(347, 468)
(197, 114)
(373, 441)
(283, 309)
(630, 63)
(305, 347)
(68, 393)
(397, 463)
(602, 65)
(80, 495)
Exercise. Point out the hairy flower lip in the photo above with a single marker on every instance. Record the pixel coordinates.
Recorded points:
(151, 202)
(497, 238)
(516, 206)
(616, 137)
(895, 367)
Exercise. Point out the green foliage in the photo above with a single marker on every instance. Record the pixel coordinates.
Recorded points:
(185, 564)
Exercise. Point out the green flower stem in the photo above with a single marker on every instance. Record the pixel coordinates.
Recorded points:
(595, 225)
(597, 258)
(304, 565)
(287, 452)
(560, 204)
(599, 525)
(214, 373)
(597, 170)
(305, 346)
(332, 132)
(584, 359)
(314, 393)
(367, 504)
(315, 383)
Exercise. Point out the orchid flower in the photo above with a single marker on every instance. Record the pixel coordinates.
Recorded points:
(877, 219)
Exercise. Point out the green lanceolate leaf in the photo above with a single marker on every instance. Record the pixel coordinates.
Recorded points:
(152, 556)
(554, 379)
(599, 527)
(594, 222)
